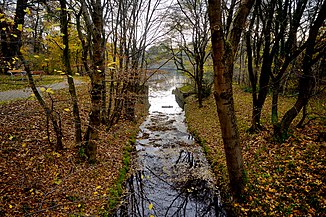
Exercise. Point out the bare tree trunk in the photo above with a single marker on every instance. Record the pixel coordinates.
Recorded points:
(307, 80)
(275, 94)
(66, 59)
(97, 76)
(223, 60)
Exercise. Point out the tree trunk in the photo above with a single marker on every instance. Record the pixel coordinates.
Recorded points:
(48, 111)
(200, 84)
(223, 60)
(307, 80)
(97, 76)
(66, 59)
(275, 89)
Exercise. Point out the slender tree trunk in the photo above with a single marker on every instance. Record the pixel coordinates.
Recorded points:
(200, 84)
(275, 89)
(66, 59)
(253, 83)
(307, 80)
(223, 60)
(48, 111)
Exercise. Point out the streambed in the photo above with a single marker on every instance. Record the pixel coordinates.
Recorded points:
(171, 174)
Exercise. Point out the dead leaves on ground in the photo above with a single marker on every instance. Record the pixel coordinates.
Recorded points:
(283, 179)
(37, 180)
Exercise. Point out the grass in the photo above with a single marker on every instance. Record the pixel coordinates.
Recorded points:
(15, 83)
(283, 179)
(187, 88)
(116, 191)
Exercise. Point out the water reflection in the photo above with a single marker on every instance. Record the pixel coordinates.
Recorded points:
(172, 176)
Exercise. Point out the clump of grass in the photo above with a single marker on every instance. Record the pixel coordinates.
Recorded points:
(116, 191)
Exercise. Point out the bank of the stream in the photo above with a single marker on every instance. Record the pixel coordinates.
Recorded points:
(37, 180)
(283, 179)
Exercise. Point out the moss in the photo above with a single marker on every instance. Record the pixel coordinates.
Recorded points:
(115, 192)
(186, 88)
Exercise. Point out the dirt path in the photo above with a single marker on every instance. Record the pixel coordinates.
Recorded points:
(26, 92)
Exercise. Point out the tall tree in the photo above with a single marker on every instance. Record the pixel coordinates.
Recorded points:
(11, 33)
(93, 14)
(224, 50)
(64, 20)
(189, 21)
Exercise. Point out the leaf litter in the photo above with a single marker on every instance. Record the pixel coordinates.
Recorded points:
(282, 179)
(36, 179)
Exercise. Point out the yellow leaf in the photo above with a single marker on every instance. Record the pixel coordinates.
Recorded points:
(57, 182)
(29, 30)
(151, 216)
(20, 27)
(95, 193)
(142, 176)
(67, 109)
(98, 187)
(28, 11)
(24, 145)
(36, 56)
(150, 206)
(42, 89)
(10, 206)
(79, 205)
(14, 35)
(49, 90)
(4, 28)
(112, 63)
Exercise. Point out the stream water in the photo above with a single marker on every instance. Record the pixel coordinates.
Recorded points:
(171, 176)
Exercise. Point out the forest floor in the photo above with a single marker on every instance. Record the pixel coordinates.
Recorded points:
(37, 180)
(287, 179)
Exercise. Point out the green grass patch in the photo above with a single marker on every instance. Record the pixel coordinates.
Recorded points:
(187, 88)
(18, 82)
(117, 188)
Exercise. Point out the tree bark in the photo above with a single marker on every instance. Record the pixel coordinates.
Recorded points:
(97, 75)
(223, 60)
(66, 59)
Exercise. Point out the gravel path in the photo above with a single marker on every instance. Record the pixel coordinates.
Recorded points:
(25, 93)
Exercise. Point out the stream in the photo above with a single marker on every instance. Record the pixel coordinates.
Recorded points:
(171, 176)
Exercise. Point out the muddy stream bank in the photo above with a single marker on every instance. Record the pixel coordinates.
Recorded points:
(171, 176)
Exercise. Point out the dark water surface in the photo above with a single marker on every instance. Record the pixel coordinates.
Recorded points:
(171, 174)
